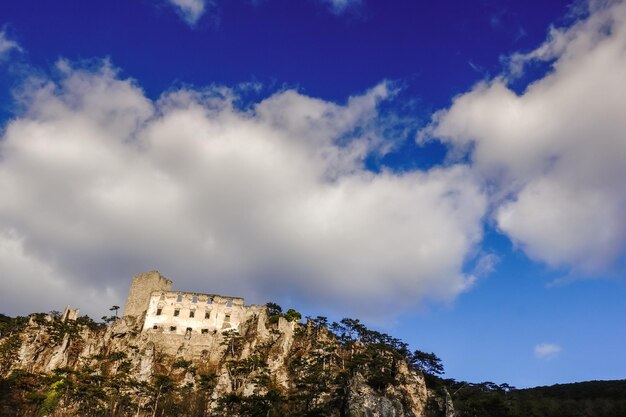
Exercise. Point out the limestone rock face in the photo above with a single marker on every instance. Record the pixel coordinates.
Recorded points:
(439, 403)
(408, 399)
(287, 367)
(365, 402)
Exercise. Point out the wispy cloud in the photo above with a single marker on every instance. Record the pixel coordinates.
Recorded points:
(486, 264)
(341, 6)
(547, 350)
(191, 11)
(7, 45)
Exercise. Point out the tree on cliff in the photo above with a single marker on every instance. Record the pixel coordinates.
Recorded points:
(114, 308)
(428, 363)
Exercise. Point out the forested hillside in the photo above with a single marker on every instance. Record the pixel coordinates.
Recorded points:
(583, 399)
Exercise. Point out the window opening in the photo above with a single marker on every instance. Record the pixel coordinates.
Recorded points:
(205, 331)
(192, 314)
(207, 315)
(209, 300)
(176, 312)
(194, 299)
(179, 298)
(159, 311)
(172, 328)
(229, 303)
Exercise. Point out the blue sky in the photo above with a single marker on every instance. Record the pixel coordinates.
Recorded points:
(450, 172)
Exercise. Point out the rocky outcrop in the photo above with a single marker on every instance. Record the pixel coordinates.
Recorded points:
(406, 399)
(364, 401)
(282, 368)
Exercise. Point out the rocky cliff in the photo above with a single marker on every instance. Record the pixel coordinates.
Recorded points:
(270, 367)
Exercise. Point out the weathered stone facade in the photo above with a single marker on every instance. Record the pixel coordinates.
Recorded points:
(141, 289)
(163, 311)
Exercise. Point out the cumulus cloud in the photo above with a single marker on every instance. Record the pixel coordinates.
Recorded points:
(190, 10)
(553, 156)
(99, 182)
(7, 45)
(547, 350)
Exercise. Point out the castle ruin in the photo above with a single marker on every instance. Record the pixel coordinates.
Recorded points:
(160, 310)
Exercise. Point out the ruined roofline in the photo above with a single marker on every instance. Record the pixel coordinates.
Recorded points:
(147, 285)
(198, 294)
(203, 296)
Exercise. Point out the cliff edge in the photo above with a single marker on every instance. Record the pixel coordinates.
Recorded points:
(272, 365)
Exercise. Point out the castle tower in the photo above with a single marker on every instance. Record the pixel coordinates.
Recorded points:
(139, 295)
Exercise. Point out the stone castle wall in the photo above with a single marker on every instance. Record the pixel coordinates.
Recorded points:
(141, 290)
(184, 313)
(162, 311)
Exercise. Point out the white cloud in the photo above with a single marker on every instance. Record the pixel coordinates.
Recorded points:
(99, 182)
(547, 350)
(7, 45)
(27, 282)
(190, 10)
(553, 156)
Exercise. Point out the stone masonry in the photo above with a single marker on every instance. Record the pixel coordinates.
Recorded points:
(163, 311)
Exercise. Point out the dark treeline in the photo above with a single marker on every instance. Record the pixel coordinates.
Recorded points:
(582, 399)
